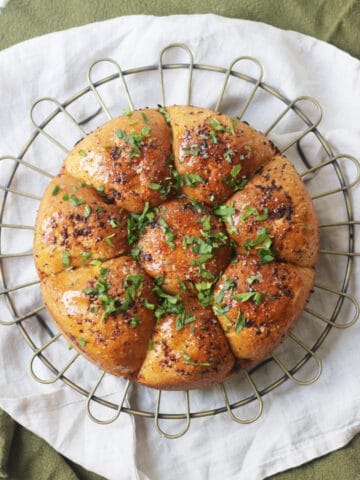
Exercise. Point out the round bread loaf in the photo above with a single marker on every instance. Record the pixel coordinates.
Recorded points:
(175, 247)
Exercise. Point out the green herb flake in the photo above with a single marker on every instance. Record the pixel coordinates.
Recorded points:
(65, 259)
(240, 322)
(253, 278)
(148, 305)
(82, 342)
(213, 137)
(188, 361)
(246, 296)
(151, 344)
(108, 240)
(169, 234)
(165, 113)
(65, 197)
(87, 211)
(247, 148)
(135, 252)
(216, 125)
(135, 321)
(101, 189)
(228, 155)
(82, 153)
(145, 118)
(55, 190)
(85, 256)
(75, 201)
(155, 186)
(114, 223)
(191, 179)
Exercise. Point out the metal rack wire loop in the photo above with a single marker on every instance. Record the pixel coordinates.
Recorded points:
(226, 81)
(230, 407)
(187, 416)
(95, 90)
(190, 66)
(119, 408)
(293, 106)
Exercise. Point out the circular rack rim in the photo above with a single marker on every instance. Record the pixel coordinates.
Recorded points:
(348, 267)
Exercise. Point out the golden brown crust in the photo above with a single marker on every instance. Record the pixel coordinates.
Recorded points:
(219, 149)
(176, 243)
(125, 156)
(196, 356)
(291, 219)
(76, 225)
(116, 342)
(155, 330)
(258, 304)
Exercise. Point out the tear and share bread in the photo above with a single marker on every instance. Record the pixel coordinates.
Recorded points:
(196, 356)
(176, 246)
(125, 156)
(76, 225)
(291, 219)
(258, 304)
(117, 342)
(210, 145)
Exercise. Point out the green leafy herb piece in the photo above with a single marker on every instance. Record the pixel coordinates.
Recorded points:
(217, 125)
(137, 222)
(228, 155)
(263, 216)
(233, 125)
(247, 148)
(145, 118)
(148, 304)
(108, 240)
(65, 259)
(229, 284)
(135, 321)
(246, 296)
(85, 256)
(82, 153)
(249, 210)
(253, 278)
(65, 197)
(169, 234)
(55, 190)
(155, 186)
(264, 251)
(204, 293)
(75, 201)
(87, 211)
(188, 361)
(240, 322)
(101, 189)
(191, 179)
(151, 344)
(82, 342)
(165, 113)
(135, 252)
(213, 137)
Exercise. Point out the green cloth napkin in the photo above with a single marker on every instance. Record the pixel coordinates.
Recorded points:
(22, 454)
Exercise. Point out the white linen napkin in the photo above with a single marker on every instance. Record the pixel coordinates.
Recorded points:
(298, 423)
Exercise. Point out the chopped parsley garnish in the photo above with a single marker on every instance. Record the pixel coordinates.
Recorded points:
(193, 149)
(188, 361)
(113, 305)
(137, 222)
(217, 125)
(172, 304)
(114, 223)
(202, 259)
(87, 211)
(85, 256)
(135, 321)
(226, 212)
(135, 140)
(65, 259)
(108, 240)
(233, 125)
(234, 182)
(256, 297)
(229, 284)
(264, 251)
(204, 293)
(82, 153)
(213, 137)
(249, 211)
(82, 342)
(253, 278)
(135, 252)
(229, 153)
(240, 322)
(191, 179)
(55, 190)
(169, 234)
(247, 148)
(145, 118)
(165, 113)
(101, 189)
(76, 201)
(155, 186)
(151, 344)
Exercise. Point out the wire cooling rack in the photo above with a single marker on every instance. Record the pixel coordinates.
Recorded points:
(333, 295)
